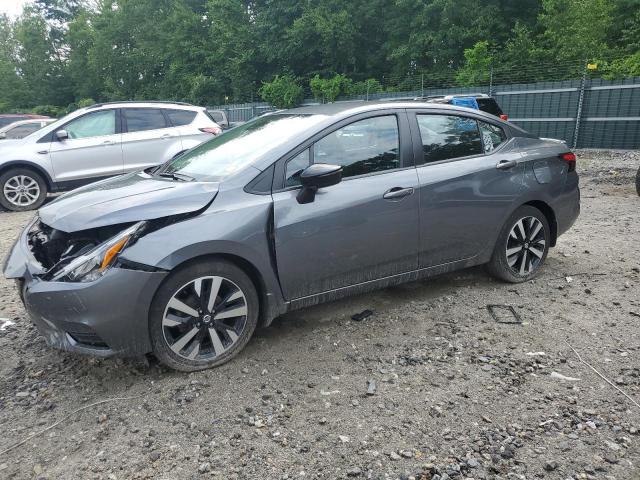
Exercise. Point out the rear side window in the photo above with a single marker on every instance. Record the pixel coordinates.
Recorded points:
(447, 136)
(179, 118)
(140, 119)
(492, 136)
(362, 147)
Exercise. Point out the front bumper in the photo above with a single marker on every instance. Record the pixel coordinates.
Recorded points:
(106, 317)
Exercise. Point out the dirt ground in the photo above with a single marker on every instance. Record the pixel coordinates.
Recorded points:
(428, 387)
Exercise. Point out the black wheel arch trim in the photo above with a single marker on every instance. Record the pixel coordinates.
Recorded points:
(51, 185)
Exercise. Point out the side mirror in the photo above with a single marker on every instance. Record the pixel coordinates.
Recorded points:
(318, 175)
(62, 135)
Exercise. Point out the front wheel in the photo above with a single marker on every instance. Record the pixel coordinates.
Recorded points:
(638, 181)
(203, 315)
(522, 246)
(22, 189)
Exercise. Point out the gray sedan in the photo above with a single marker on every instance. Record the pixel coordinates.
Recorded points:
(289, 210)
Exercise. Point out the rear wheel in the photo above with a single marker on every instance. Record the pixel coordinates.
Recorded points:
(22, 189)
(522, 246)
(638, 181)
(203, 316)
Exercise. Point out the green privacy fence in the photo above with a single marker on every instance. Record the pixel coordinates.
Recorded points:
(586, 113)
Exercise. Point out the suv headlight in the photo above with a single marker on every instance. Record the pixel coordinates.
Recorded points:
(95, 263)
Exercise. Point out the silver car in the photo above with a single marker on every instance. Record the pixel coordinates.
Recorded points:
(99, 141)
(286, 211)
(22, 128)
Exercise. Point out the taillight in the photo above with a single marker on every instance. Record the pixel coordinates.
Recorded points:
(504, 117)
(211, 130)
(570, 158)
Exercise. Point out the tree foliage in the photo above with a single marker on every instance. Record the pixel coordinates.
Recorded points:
(59, 52)
(284, 91)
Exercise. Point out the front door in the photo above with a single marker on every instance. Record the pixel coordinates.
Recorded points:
(92, 150)
(362, 229)
(470, 176)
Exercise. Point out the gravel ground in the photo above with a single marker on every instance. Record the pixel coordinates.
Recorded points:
(428, 387)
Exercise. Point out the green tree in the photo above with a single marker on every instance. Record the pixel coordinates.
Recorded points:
(477, 65)
(282, 92)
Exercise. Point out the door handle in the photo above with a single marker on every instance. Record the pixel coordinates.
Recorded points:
(107, 142)
(506, 164)
(165, 136)
(396, 193)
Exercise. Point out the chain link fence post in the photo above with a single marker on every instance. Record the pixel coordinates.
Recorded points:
(583, 84)
(491, 81)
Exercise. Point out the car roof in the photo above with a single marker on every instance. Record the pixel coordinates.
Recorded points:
(346, 109)
(32, 116)
(31, 120)
(17, 123)
(148, 103)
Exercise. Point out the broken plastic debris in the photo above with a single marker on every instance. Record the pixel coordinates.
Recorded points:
(559, 376)
(5, 323)
(358, 317)
(331, 392)
(504, 314)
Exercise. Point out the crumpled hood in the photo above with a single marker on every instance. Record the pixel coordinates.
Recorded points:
(127, 198)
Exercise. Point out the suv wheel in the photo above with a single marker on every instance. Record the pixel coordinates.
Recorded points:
(638, 181)
(203, 316)
(522, 246)
(22, 189)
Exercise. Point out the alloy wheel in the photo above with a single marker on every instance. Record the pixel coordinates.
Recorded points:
(526, 245)
(205, 318)
(21, 190)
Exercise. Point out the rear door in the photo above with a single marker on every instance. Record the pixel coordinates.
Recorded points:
(470, 175)
(362, 229)
(93, 148)
(148, 138)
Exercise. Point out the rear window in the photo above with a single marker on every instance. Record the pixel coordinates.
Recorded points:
(140, 119)
(489, 105)
(180, 117)
(217, 117)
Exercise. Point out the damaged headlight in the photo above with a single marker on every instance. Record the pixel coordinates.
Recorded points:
(95, 263)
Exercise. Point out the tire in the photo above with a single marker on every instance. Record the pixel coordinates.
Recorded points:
(517, 266)
(32, 195)
(638, 181)
(185, 333)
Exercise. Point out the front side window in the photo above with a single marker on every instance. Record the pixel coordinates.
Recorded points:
(492, 136)
(447, 136)
(141, 119)
(94, 124)
(362, 147)
(294, 168)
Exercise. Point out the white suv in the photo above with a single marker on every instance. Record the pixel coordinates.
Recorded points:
(96, 142)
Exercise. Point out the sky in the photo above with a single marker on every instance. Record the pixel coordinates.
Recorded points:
(13, 8)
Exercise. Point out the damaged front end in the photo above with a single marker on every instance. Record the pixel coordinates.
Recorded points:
(81, 256)
(79, 294)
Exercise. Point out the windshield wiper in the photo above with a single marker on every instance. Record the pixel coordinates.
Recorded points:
(176, 176)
